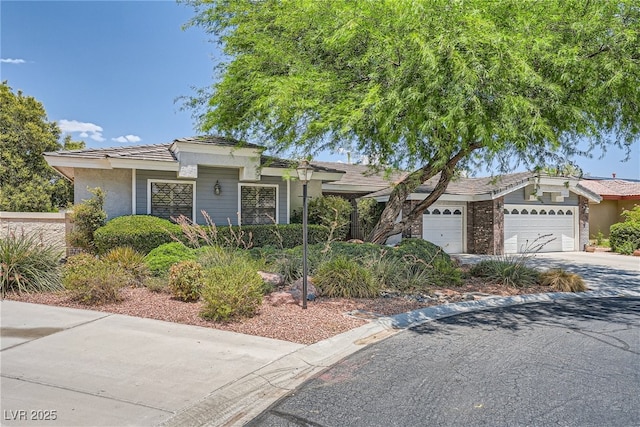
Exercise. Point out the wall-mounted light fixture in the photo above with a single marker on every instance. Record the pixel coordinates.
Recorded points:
(217, 189)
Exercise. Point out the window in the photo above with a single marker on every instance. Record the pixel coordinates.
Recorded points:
(258, 204)
(167, 199)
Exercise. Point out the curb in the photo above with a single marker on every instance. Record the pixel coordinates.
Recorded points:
(241, 401)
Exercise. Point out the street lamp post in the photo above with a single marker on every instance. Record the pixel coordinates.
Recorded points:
(304, 175)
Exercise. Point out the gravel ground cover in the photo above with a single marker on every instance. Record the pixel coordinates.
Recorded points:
(324, 317)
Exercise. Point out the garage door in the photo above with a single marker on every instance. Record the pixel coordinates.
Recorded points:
(527, 226)
(443, 225)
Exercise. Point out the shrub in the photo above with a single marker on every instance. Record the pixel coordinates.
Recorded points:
(26, 265)
(232, 290)
(369, 211)
(562, 281)
(346, 278)
(420, 249)
(131, 262)
(160, 259)
(141, 232)
(93, 281)
(632, 215)
(509, 271)
(185, 280)
(157, 284)
(333, 212)
(87, 217)
(625, 236)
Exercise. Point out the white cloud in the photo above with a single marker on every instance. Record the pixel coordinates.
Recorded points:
(127, 138)
(12, 61)
(86, 130)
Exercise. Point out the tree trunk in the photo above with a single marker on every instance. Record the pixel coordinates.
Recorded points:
(387, 225)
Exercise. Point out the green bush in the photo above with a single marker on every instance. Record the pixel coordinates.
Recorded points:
(232, 290)
(277, 235)
(333, 212)
(562, 281)
(141, 232)
(93, 281)
(509, 271)
(28, 266)
(624, 237)
(632, 215)
(160, 259)
(420, 249)
(342, 277)
(369, 211)
(131, 261)
(185, 280)
(87, 217)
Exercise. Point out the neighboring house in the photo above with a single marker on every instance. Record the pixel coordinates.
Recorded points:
(230, 181)
(617, 195)
(504, 214)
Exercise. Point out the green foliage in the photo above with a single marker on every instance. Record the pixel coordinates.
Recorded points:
(624, 237)
(506, 270)
(420, 249)
(562, 281)
(93, 281)
(186, 280)
(232, 290)
(333, 212)
(131, 262)
(157, 284)
(427, 84)
(27, 182)
(342, 277)
(141, 232)
(87, 217)
(369, 211)
(160, 259)
(26, 265)
(632, 215)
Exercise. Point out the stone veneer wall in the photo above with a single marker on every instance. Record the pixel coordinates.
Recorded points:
(414, 229)
(485, 227)
(583, 222)
(51, 228)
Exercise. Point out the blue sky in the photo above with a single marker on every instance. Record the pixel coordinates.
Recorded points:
(109, 72)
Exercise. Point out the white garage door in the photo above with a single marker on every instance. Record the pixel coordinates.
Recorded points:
(525, 226)
(443, 225)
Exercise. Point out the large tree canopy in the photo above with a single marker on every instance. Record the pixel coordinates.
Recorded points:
(425, 84)
(27, 182)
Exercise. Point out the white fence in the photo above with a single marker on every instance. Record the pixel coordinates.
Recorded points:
(51, 228)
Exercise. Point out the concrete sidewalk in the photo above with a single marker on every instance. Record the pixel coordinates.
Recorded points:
(63, 366)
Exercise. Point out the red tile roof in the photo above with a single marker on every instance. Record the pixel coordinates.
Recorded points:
(613, 189)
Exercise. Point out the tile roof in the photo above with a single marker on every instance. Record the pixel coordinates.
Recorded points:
(471, 186)
(217, 140)
(613, 188)
(137, 152)
(274, 162)
(362, 175)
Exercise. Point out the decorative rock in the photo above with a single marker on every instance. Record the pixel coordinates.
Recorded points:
(636, 252)
(274, 279)
(281, 298)
(312, 292)
(355, 241)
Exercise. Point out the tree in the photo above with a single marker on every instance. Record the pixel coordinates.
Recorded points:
(430, 85)
(27, 182)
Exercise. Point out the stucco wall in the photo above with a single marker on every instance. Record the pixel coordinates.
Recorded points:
(606, 213)
(116, 184)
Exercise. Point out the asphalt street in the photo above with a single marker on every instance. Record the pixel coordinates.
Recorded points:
(564, 362)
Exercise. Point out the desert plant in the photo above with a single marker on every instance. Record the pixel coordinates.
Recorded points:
(160, 259)
(27, 265)
(93, 281)
(232, 290)
(141, 232)
(562, 281)
(157, 284)
(131, 261)
(185, 280)
(346, 278)
(87, 217)
(507, 270)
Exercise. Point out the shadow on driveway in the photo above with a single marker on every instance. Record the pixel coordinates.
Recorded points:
(621, 312)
